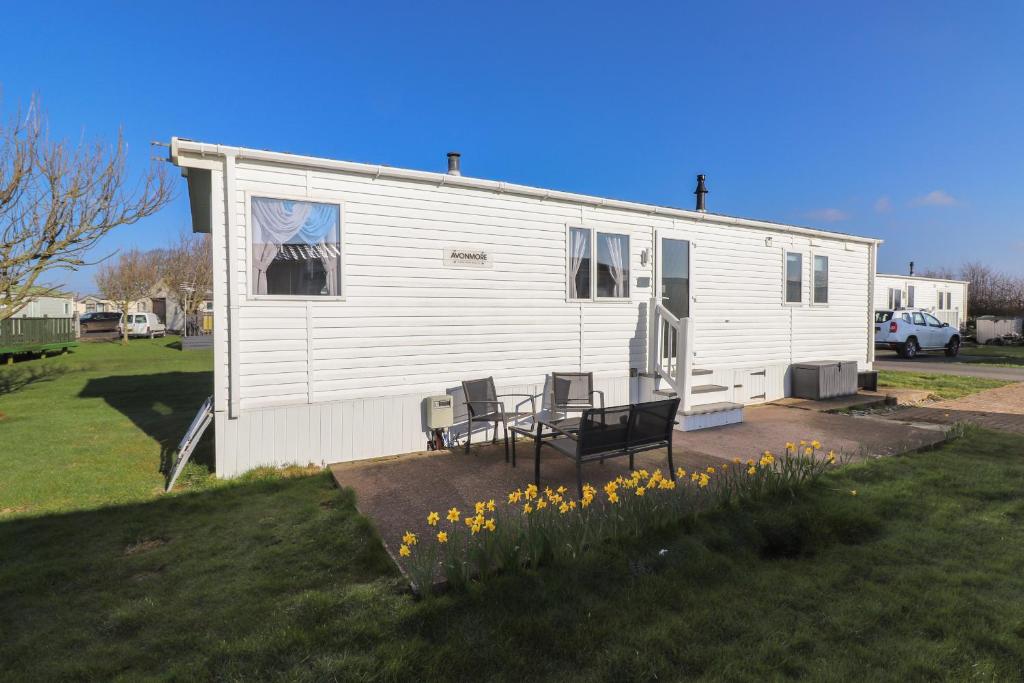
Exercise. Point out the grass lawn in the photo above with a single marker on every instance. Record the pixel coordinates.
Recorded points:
(93, 427)
(942, 386)
(1011, 356)
(918, 576)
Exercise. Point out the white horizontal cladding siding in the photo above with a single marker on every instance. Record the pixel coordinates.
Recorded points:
(737, 299)
(410, 325)
(926, 292)
(352, 429)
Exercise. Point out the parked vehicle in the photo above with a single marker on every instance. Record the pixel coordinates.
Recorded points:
(912, 331)
(145, 325)
(100, 321)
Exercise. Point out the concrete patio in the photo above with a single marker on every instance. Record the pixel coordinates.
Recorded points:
(398, 492)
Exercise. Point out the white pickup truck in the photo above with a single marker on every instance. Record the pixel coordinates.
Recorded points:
(911, 331)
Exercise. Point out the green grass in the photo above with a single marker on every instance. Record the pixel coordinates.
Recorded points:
(941, 386)
(917, 577)
(96, 426)
(1008, 356)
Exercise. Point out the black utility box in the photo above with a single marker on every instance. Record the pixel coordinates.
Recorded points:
(868, 380)
(824, 379)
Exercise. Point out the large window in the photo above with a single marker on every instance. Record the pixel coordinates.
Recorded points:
(794, 277)
(820, 280)
(296, 248)
(598, 265)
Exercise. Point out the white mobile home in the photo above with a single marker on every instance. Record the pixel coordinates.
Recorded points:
(945, 299)
(347, 293)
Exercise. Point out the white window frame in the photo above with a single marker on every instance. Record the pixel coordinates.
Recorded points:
(595, 232)
(315, 199)
(828, 281)
(785, 282)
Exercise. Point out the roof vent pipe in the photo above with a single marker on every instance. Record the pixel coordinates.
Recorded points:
(454, 163)
(911, 268)
(701, 193)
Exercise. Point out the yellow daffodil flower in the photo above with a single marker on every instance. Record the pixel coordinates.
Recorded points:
(816, 444)
(489, 524)
(404, 551)
(453, 515)
(572, 504)
(490, 505)
(561, 490)
(704, 479)
(531, 492)
(751, 470)
(527, 509)
(790, 446)
(710, 470)
(433, 518)
(563, 508)
(513, 498)
(808, 451)
(409, 538)
(479, 507)
(680, 473)
(442, 536)
(541, 503)
(640, 490)
(613, 497)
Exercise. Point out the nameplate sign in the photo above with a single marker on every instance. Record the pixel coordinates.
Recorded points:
(467, 257)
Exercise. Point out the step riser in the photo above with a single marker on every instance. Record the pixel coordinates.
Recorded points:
(690, 423)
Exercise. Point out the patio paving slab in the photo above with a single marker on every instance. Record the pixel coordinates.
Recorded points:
(396, 493)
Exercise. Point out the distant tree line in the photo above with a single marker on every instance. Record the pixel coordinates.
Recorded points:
(991, 292)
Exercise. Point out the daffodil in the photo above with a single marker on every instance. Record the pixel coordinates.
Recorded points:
(640, 491)
(541, 503)
(561, 490)
(404, 551)
(527, 509)
(442, 536)
(531, 492)
(710, 470)
(790, 446)
(409, 538)
(680, 473)
(433, 518)
(475, 528)
(563, 508)
(751, 470)
(470, 521)
(613, 497)
(572, 504)
(667, 484)
(808, 451)
(736, 461)
(453, 515)
(831, 457)
(490, 505)
(479, 507)
(816, 444)
(514, 497)
(489, 524)
(610, 486)
(694, 476)
(704, 479)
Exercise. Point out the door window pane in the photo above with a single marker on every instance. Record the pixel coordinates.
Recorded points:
(821, 279)
(910, 296)
(932, 320)
(919, 319)
(296, 247)
(941, 300)
(579, 263)
(949, 301)
(612, 265)
(794, 278)
(675, 276)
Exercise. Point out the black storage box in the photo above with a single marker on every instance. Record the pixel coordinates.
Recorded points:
(824, 379)
(867, 380)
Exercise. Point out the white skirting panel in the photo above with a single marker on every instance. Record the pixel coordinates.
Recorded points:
(353, 429)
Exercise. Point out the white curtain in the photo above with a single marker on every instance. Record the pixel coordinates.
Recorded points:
(276, 222)
(617, 263)
(578, 249)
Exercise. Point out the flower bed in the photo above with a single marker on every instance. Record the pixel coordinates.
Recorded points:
(534, 527)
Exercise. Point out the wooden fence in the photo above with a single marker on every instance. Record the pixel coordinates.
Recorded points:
(22, 335)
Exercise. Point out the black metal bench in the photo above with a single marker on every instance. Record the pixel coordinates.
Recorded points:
(611, 432)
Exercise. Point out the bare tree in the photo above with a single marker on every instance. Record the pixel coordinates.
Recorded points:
(124, 281)
(187, 269)
(58, 200)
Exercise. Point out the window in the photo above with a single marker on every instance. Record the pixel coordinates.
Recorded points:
(949, 301)
(942, 300)
(296, 248)
(579, 263)
(932, 320)
(598, 268)
(910, 296)
(906, 317)
(820, 280)
(794, 277)
(919, 318)
(883, 316)
(895, 298)
(209, 305)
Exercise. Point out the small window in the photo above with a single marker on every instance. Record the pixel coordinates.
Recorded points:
(906, 317)
(612, 266)
(910, 296)
(949, 301)
(942, 300)
(579, 263)
(883, 316)
(598, 265)
(919, 319)
(821, 279)
(296, 248)
(794, 277)
(895, 298)
(932, 320)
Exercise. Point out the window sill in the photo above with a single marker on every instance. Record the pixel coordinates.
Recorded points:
(292, 297)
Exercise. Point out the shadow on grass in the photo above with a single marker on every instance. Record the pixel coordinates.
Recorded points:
(15, 378)
(162, 405)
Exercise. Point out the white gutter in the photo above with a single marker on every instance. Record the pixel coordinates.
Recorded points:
(230, 243)
(178, 146)
(872, 261)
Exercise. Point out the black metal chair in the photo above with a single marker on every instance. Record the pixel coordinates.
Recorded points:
(610, 432)
(484, 404)
(573, 392)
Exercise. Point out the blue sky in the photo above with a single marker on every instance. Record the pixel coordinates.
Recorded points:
(896, 120)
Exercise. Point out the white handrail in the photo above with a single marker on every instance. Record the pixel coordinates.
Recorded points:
(672, 360)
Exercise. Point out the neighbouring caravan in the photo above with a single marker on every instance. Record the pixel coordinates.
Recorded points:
(348, 293)
(945, 299)
(997, 326)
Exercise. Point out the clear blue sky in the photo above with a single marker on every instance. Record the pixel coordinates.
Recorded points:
(897, 120)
